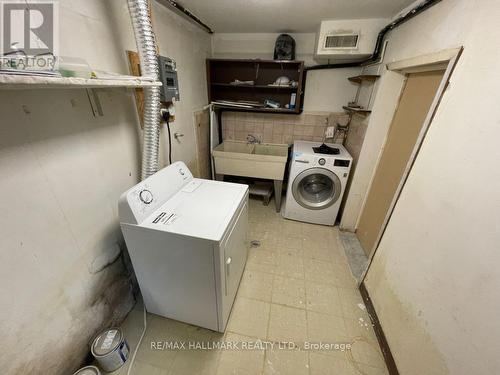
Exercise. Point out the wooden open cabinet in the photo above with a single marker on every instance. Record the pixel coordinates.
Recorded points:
(221, 72)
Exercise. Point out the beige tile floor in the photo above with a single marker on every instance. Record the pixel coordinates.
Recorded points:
(297, 288)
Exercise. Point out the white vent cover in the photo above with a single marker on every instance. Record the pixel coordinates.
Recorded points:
(347, 40)
(341, 41)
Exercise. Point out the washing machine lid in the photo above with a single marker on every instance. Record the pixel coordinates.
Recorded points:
(201, 209)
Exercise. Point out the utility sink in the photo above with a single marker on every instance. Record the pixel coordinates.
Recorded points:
(264, 160)
(260, 160)
(271, 149)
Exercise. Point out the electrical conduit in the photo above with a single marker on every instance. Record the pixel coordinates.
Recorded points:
(146, 47)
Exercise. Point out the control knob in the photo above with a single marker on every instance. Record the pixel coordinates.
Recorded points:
(146, 196)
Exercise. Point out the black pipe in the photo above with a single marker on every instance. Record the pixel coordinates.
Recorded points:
(380, 38)
(174, 4)
(332, 66)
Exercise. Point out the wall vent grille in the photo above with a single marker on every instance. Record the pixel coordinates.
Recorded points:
(341, 41)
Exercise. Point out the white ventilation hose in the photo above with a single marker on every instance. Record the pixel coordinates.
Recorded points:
(146, 47)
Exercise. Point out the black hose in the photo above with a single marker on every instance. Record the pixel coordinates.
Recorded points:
(332, 66)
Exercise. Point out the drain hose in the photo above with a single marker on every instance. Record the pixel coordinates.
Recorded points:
(146, 47)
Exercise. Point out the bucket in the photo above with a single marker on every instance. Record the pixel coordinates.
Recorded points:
(88, 370)
(110, 349)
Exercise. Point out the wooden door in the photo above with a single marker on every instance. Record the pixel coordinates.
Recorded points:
(415, 102)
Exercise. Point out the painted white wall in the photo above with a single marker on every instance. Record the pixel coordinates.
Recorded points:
(189, 46)
(433, 36)
(63, 171)
(260, 45)
(434, 279)
(326, 90)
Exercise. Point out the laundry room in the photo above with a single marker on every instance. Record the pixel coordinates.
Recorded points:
(246, 187)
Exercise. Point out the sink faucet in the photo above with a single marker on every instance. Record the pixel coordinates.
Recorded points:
(252, 139)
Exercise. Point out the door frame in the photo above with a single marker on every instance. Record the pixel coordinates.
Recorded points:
(442, 60)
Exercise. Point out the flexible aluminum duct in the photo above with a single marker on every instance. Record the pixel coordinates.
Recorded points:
(146, 47)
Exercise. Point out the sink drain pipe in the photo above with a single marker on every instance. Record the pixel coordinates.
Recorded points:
(146, 47)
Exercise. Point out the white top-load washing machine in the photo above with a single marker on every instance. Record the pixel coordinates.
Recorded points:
(187, 241)
(317, 181)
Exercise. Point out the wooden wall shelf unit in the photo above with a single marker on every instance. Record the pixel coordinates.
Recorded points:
(364, 81)
(221, 72)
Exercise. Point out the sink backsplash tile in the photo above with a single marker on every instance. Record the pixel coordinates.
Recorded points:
(276, 128)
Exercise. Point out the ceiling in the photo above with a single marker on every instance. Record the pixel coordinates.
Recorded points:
(272, 16)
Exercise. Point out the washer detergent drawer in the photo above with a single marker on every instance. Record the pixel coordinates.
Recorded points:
(234, 255)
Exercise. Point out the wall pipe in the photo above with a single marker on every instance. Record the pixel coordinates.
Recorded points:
(174, 4)
(146, 47)
(380, 38)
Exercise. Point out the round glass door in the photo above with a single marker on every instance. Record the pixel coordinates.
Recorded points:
(316, 188)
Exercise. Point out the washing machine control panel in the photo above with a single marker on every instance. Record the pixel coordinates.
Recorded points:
(341, 163)
(140, 201)
(182, 172)
(322, 161)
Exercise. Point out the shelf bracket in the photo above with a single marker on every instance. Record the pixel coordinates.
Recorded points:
(95, 102)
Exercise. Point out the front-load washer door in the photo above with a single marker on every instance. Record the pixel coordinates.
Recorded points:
(316, 188)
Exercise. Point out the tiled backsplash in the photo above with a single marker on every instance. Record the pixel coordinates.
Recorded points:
(276, 128)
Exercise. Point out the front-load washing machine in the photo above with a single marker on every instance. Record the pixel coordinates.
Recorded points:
(317, 181)
(187, 241)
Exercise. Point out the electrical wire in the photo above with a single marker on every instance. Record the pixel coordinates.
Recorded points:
(129, 371)
(169, 143)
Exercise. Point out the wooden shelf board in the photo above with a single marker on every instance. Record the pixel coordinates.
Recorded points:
(266, 87)
(365, 77)
(12, 81)
(266, 61)
(261, 109)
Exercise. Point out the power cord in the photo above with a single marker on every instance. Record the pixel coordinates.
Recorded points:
(165, 114)
(169, 143)
(139, 342)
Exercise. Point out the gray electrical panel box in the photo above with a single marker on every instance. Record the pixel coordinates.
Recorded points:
(168, 77)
